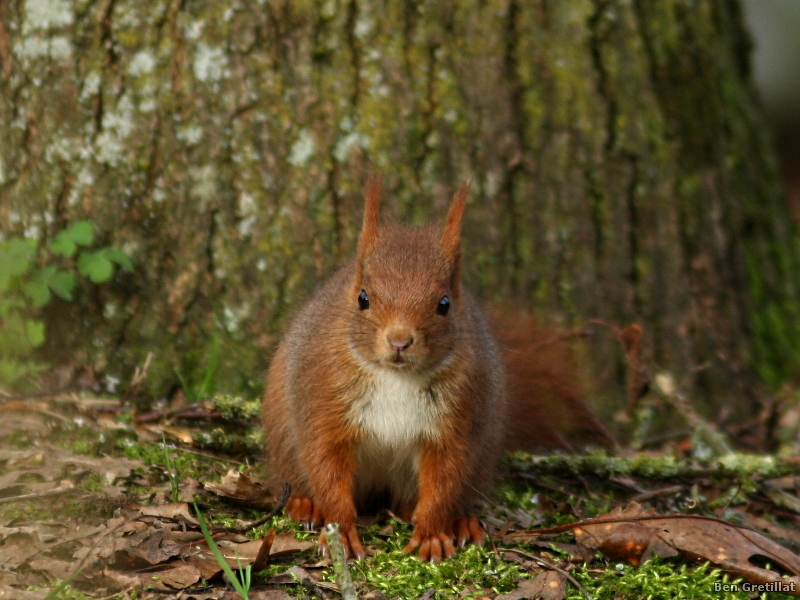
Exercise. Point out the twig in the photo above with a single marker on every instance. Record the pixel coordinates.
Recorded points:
(54, 492)
(711, 434)
(343, 577)
(733, 497)
(622, 518)
(205, 454)
(139, 375)
(46, 394)
(132, 588)
(548, 565)
(673, 489)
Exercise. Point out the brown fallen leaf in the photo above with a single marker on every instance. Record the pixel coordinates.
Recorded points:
(634, 534)
(286, 544)
(282, 545)
(180, 577)
(55, 569)
(174, 511)
(262, 557)
(270, 595)
(19, 544)
(11, 593)
(243, 489)
(157, 548)
(298, 575)
(786, 535)
(548, 585)
(188, 489)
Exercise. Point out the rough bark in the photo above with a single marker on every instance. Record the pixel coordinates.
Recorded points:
(621, 168)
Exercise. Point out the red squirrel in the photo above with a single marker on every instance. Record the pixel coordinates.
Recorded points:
(390, 390)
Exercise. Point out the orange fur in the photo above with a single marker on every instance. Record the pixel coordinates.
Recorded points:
(389, 386)
(546, 403)
(372, 207)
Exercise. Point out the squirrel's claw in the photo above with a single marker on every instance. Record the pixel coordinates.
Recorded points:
(350, 541)
(303, 509)
(432, 547)
(469, 531)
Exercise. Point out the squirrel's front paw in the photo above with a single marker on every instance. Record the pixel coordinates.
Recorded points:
(468, 530)
(350, 541)
(432, 547)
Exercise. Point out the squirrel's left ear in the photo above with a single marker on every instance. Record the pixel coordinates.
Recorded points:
(451, 241)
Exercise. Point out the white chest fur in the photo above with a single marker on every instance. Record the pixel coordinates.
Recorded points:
(397, 410)
(396, 414)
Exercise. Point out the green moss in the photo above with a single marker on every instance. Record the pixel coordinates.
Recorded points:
(185, 464)
(743, 466)
(401, 575)
(235, 407)
(65, 593)
(657, 579)
(19, 439)
(93, 483)
(283, 524)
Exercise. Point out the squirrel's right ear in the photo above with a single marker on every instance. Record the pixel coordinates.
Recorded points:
(369, 231)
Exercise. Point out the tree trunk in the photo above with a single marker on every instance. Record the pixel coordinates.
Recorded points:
(620, 163)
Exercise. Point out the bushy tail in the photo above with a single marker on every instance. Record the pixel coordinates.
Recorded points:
(546, 404)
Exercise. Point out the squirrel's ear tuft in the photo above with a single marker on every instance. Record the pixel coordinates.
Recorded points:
(451, 240)
(369, 232)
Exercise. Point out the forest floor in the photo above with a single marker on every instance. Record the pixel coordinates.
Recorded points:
(98, 502)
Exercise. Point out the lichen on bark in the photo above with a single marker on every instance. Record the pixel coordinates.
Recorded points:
(620, 164)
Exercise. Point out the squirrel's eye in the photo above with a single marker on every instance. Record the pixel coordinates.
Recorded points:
(363, 300)
(444, 306)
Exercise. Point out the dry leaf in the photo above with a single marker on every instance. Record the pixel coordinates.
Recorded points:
(156, 548)
(285, 544)
(19, 544)
(180, 577)
(269, 595)
(635, 534)
(262, 557)
(243, 489)
(175, 511)
(548, 585)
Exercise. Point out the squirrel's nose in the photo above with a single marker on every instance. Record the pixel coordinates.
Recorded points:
(400, 341)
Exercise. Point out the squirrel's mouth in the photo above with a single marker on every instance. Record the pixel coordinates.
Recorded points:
(398, 361)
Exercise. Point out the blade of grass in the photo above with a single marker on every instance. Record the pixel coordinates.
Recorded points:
(54, 593)
(212, 545)
(204, 391)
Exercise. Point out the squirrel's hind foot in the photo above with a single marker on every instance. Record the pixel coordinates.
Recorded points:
(303, 509)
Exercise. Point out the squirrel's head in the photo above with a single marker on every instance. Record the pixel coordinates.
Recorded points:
(406, 297)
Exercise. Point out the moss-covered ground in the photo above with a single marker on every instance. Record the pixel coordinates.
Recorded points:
(535, 492)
